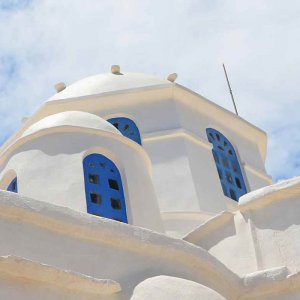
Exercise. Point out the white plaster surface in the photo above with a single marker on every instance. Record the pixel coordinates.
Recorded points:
(219, 250)
(172, 121)
(20, 268)
(109, 82)
(72, 118)
(63, 151)
(103, 248)
(263, 234)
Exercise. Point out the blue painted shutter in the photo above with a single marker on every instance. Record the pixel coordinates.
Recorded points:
(103, 188)
(227, 164)
(127, 127)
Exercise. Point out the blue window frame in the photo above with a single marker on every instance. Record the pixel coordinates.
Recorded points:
(227, 164)
(127, 127)
(103, 188)
(13, 186)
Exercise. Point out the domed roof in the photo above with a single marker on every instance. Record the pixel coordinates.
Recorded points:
(103, 83)
(72, 118)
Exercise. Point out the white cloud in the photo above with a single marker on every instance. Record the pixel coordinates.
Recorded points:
(47, 41)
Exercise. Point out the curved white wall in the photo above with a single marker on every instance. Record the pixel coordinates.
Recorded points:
(170, 288)
(49, 168)
(71, 118)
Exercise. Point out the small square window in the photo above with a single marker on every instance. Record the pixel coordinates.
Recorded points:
(93, 178)
(115, 203)
(238, 183)
(102, 165)
(228, 177)
(91, 165)
(113, 184)
(95, 198)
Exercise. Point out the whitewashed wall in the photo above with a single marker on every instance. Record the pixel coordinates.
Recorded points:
(172, 121)
(48, 165)
(263, 234)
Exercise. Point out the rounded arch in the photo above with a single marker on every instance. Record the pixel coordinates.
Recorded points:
(9, 181)
(103, 188)
(127, 127)
(227, 164)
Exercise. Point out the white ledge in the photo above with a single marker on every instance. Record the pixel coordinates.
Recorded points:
(265, 196)
(139, 241)
(270, 283)
(75, 129)
(261, 278)
(208, 227)
(24, 269)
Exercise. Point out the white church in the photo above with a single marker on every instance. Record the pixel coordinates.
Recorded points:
(127, 186)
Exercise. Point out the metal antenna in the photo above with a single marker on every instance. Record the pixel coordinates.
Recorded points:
(230, 90)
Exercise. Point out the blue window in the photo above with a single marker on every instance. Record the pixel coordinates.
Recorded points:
(227, 164)
(103, 188)
(128, 128)
(13, 186)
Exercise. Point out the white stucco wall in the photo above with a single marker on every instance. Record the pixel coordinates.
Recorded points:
(264, 233)
(112, 260)
(102, 248)
(274, 213)
(49, 166)
(172, 121)
(173, 133)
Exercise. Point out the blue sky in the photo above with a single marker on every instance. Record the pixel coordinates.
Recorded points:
(43, 42)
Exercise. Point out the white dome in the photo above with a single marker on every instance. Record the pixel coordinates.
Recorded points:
(169, 288)
(109, 82)
(72, 118)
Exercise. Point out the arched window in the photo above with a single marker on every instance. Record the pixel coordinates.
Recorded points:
(127, 127)
(103, 188)
(227, 164)
(13, 186)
